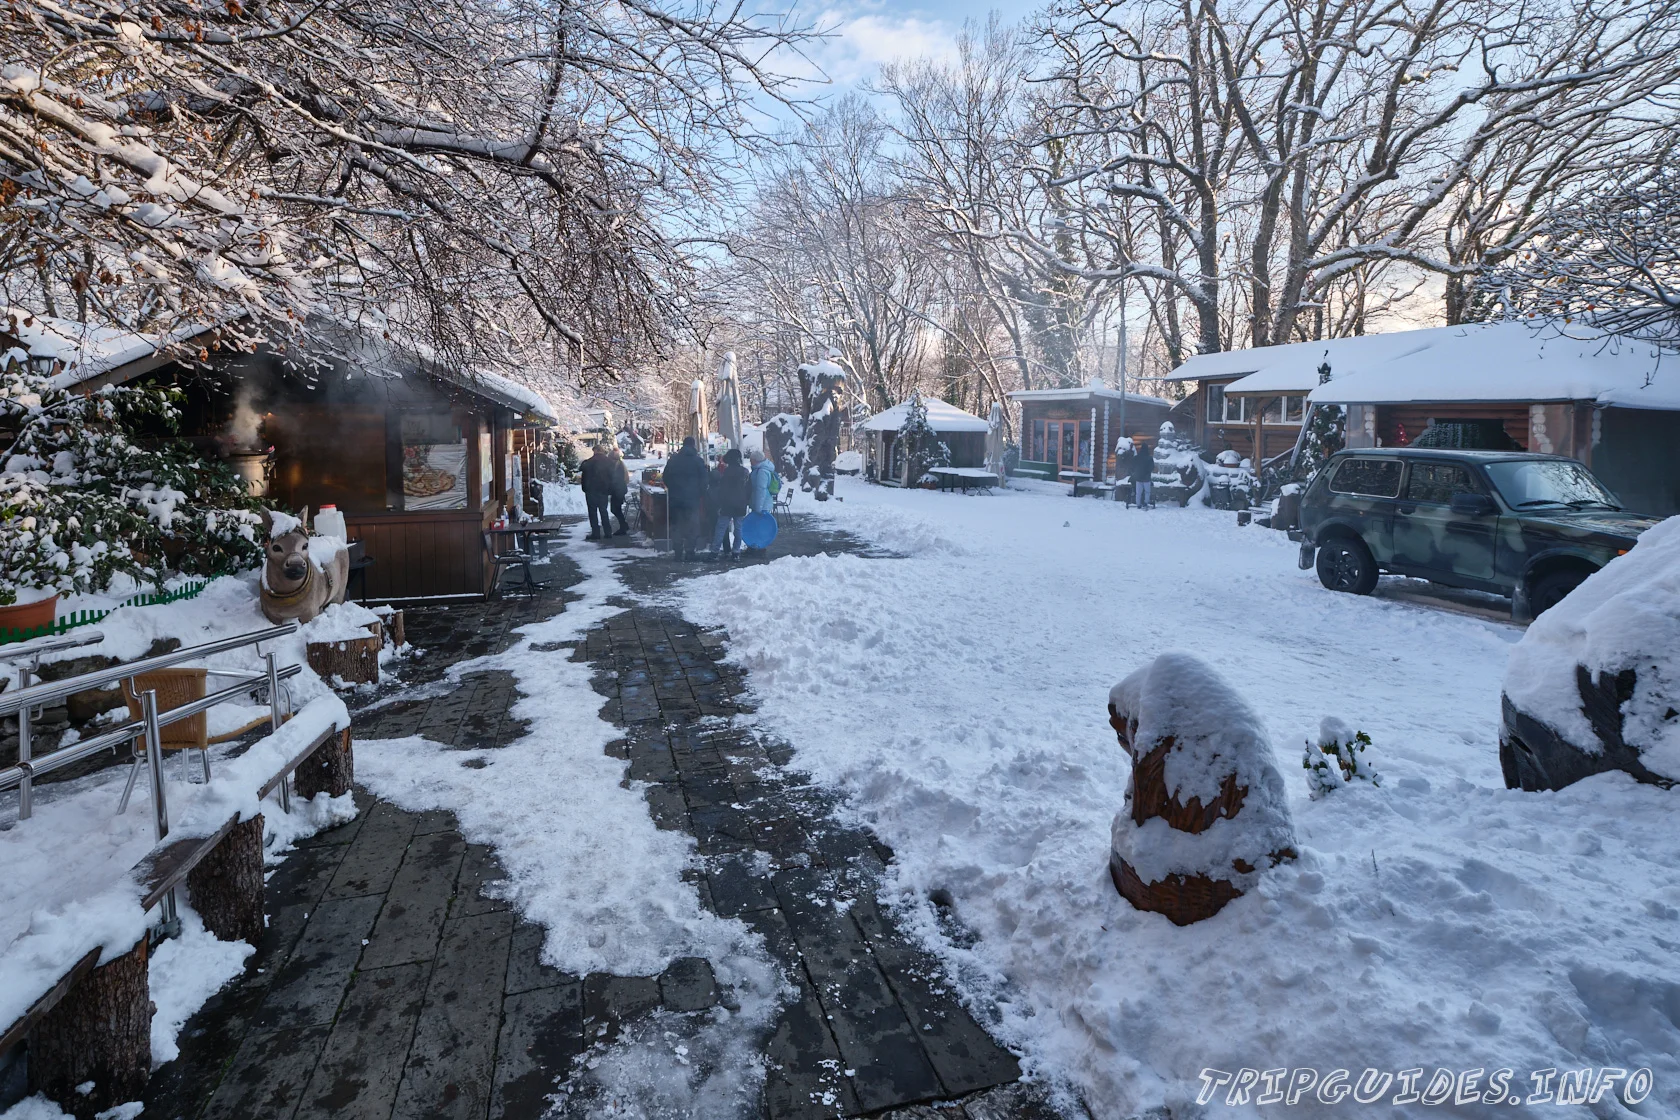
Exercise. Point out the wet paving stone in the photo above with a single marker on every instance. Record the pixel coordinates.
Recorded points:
(392, 983)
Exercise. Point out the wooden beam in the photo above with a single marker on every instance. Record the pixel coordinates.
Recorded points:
(274, 783)
(166, 868)
(19, 1029)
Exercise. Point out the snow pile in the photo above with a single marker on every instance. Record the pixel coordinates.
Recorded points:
(560, 498)
(955, 700)
(1625, 616)
(340, 622)
(1211, 737)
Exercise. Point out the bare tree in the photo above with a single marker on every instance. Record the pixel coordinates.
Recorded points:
(499, 181)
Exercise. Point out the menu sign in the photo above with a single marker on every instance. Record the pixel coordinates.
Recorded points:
(434, 462)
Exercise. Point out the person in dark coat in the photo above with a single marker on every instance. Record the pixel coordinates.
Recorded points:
(619, 477)
(685, 494)
(730, 491)
(597, 476)
(1143, 475)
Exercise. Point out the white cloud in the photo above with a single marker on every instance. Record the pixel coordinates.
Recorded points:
(867, 36)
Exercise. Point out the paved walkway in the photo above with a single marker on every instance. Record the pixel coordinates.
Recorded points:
(388, 986)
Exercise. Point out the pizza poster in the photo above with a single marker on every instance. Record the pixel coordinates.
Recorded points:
(434, 472)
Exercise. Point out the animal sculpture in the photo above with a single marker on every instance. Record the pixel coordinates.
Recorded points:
(295, 584)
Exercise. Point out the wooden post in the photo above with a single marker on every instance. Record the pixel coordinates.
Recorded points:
(100, 1032)
(330, 770)
(354, 660)
(227, 885)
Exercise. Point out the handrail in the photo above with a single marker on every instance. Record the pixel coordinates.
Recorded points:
(48, 692)
(122, 733)
(34, 649)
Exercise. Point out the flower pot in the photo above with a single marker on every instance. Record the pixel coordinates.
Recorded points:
(29, 616)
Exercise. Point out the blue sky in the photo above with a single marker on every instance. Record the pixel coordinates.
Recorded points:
(870, 32)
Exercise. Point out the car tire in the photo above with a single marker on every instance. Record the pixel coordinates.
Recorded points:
(1345, 564)
(1548, 591)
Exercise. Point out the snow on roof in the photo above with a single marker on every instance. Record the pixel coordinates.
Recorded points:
(1510, 361)
(1083, 392)
(942, 417)
(85, 350)
(1293, 367)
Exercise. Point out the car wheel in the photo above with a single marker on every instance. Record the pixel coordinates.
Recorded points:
(1549, 590)
(1345, 564)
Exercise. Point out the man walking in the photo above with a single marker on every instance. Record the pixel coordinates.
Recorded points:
(730, 488)
(685, 493)
(597, 475)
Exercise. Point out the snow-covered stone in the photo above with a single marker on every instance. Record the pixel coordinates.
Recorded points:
(1594, 684)
(1205, 811)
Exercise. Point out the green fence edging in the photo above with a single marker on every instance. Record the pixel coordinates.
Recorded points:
(84, 618)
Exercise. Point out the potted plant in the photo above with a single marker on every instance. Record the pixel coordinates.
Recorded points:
(38, 608)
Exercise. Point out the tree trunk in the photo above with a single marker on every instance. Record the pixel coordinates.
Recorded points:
(227, 885)
(354, 660)
(100, 1032)
(330, 770)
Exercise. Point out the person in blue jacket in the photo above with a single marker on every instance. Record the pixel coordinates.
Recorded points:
(765, 483)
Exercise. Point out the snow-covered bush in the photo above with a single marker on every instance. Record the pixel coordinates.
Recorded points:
(1595, 682)
(922, 446)
(1178, 470)
(93, 485)
(1339, 757)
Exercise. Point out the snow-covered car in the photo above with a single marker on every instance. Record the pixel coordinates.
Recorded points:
(1531, 527)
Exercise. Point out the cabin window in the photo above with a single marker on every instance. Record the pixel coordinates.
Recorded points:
(434, 461)
(1224, 409)
(1286, 410)
(1037, 455)
(1084, 445)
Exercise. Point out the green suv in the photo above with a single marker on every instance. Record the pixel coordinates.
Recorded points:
(1528, 526)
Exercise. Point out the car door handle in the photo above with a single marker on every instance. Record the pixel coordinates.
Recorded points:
(1406, 509)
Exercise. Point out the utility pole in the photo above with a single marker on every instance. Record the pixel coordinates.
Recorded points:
(1120, 362)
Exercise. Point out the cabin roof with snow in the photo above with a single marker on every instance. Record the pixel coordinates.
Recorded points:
(1085, 392)
(1513, 362)
(1480, 362)
(942, 417)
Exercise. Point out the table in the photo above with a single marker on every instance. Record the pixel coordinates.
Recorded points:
(529, 529)
(963, 477)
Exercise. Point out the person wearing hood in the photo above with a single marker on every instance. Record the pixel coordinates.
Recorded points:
(1143, 475)
(730, 495)
(685, 494)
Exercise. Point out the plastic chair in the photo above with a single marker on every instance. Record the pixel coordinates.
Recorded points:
(175, 687)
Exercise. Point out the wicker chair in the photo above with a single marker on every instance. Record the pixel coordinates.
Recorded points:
(174, 688)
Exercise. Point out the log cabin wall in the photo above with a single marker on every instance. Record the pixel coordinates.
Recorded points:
(338, 437)
(1398, 425)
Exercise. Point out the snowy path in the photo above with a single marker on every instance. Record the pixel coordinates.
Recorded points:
(957, 698)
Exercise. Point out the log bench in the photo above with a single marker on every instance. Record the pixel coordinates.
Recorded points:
(94, 1023)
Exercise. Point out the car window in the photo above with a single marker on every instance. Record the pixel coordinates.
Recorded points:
(1370, 478)
(1537, 483)
(1438, 482)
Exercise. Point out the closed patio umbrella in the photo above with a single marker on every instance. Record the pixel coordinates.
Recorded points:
(697, 425)
(729, 402)
(994, 443)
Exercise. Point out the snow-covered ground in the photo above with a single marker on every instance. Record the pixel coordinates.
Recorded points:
(1437, 922)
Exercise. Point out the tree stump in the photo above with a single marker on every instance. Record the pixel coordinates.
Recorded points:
(352, 660)
(394, 628)
(227, 885)
(100, 1032)
(330, 770)
(1202, 766)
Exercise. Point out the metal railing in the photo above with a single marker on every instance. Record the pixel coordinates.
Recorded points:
(24, 700)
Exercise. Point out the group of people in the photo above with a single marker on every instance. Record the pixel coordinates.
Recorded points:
(699, 498)
(606, 480)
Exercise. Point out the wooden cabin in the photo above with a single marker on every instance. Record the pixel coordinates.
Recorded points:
(1058, 427)
(1498, 386)
(883, 451)
(418, 457)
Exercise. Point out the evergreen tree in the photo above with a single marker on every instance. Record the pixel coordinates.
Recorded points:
(88, 489)
(1326, 434)
(922, 446)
